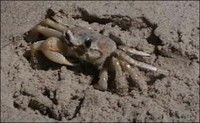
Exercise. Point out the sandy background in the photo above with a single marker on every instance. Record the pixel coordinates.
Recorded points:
(167, 30)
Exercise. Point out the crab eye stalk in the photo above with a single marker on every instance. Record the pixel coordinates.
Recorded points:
(66, 36)
(70, 38)
(88, 42)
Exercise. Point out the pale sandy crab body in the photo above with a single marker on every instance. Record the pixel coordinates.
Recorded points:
(93, 47)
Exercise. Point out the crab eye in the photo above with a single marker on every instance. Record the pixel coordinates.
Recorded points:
(88, 42)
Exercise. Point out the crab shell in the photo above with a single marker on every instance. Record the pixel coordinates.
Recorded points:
(92, 47)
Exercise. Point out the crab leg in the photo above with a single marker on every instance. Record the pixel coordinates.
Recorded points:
(52, 49)
(48, 32)
(103, 78)
(131, 61)
(121, 84)
(53, 24)
(138, 79)
(133, 51)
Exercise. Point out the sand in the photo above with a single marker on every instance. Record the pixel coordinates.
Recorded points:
(167, 30)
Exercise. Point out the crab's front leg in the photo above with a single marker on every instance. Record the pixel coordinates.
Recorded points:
(53, 49)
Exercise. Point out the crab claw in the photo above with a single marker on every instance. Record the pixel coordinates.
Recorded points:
(52, 48)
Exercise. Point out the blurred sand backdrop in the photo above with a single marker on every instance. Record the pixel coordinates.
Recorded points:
(168, 30)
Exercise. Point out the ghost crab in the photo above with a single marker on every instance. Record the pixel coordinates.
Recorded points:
(93, 47)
